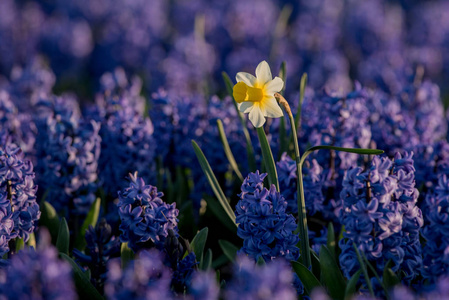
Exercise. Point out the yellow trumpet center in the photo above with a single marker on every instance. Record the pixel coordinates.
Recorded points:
(242, 92)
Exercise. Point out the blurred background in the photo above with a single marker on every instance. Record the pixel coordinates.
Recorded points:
(184, 45)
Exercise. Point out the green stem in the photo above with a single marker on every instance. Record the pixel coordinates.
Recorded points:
(364, 270)
(302, 229)
(268, 159)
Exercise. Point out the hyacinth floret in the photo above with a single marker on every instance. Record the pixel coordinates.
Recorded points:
(145, 217)
(263, 224)
(381, 217)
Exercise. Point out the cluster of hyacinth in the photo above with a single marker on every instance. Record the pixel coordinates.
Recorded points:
(19, 209)
(101, 246)
(147, 277)
(127, 143)
(264, 225)
(313, 184)
(330, 119)
(67, 152)
(436, 248)
(145, 218)
(414, 116)
(15, 127)
(249, 281)
(37, 274)
(381, 218)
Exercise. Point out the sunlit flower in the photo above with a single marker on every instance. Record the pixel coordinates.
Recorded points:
(255, 95)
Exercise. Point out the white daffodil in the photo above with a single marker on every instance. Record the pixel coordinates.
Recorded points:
(255, 95)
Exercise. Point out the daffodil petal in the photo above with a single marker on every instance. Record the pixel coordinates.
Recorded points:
(274, 86)
(245, 107)
(272, 108)
(247, 78)
(256, 116)
(263, 73)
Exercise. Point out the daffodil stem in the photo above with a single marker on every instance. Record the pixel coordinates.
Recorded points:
(302, 214)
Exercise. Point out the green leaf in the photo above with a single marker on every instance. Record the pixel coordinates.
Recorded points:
(261, 261)
(307, 278)
(331, 275)
(316, 269)
(32, 241)
(389, 278)
(126, 255)
(49, 218)
(229, 249)
(91, 219)
(219, 261)
(63, 240)
(267, 157)
(220, 213)
(83, 285)
(198, 243)
(227, 150)
(20, 244)
(213, 182)
(331, 244)
(207, 262)
(351, 287)
(249, 146)
(350, 150)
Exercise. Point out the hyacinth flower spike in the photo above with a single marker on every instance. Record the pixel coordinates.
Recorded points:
(255, 95)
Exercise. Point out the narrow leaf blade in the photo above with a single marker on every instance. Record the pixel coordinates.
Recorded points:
(267, 157)
(229, 249)
(331, 275)
(351, 287)
(227, 150)
(213, 182)
(207, 262)
(83, 285)
(307, 278)
(63, 240)
(49, 218)
(198, 243)
(126, 255)
(91, 219)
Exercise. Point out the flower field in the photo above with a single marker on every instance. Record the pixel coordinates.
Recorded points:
(218, 149)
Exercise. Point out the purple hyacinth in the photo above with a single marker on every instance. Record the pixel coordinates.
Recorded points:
(145, 217)
(249, 281)
(436, 211)
(17, 194)
(381, 217)
(146, 277)
(37, 274)
(263, 224)
(67, 150)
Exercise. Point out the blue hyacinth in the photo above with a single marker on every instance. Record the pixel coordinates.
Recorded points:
(101, 246)
(203, 286)
(20, 211)
(381, 217)
(263, 224)
(145, 218)
(249, 281)
(146, 277)
(37, 274)
(67, 150)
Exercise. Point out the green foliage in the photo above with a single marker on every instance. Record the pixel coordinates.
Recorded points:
(63, 239)
(331, 276)
(267, 158)
(126, 255)
(229, 249)
(308, 279)
(91, 219)
(198, 243)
